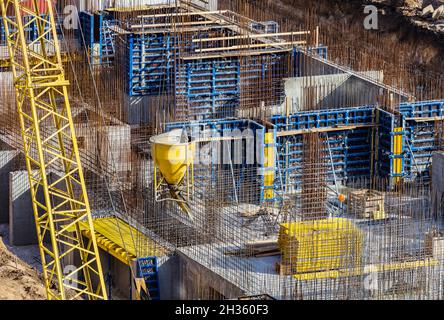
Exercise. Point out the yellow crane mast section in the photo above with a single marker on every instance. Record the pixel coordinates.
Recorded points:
(50, 147)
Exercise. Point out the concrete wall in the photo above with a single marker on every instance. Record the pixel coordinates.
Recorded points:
(197, 282)
(21, 217)
(7, 159)
(118, 275)
(438, 184)
(332, 91)
(438, 171)
(145, 109)
(169, 277)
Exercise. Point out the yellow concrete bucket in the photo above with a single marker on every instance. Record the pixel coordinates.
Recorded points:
(172, 153)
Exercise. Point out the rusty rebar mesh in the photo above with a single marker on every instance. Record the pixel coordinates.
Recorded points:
(314, 177)
(398, 225)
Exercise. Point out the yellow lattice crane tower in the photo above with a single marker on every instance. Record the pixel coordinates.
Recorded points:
(50, 146)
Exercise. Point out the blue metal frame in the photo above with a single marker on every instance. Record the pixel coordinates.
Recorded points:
(2, 33)
(150, 64)
(386, 135)
(350, 148)
(419, 134)
(219, 127)
(86, 31)
(420, 143)
(105, 40)
(422, 109)
(30, 31)
(266, 26)
(147, 268)
(325, 118)
(208, 89)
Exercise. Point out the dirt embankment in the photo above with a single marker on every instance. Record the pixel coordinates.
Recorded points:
(411, 55)
(17, 280)
(398, 23)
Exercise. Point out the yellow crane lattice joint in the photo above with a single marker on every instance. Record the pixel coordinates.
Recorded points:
(50, 145)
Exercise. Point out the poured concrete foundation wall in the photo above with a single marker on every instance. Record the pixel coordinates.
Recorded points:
(145, 109)
(21, 217)
(438, 184)
(169, 277)
(198, 282)
(330, 92)
(7, 158)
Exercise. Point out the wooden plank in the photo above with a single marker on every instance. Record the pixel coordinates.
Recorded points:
(142, 8)
(182, 30)
(260, 243)
(329, 129)
(256, 45)
(247, 53)
(119, 30)
(254, 36)
(425, 119)
(176, 24)
(182, 14)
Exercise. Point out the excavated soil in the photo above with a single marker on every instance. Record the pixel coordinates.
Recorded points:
(18, 281)
(410, 55)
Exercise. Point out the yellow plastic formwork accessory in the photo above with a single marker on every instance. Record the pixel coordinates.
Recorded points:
(397, 151)
(172, 156)
(269, 166)
(320, 245)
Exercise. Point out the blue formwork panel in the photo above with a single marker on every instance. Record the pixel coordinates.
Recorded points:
(208, 89)
(148, 269)
(385, 137)
(249, 172)
(418, 139)
(30, 30)
(2, 33)
(420, 135)
(86, 30)
(150, 63)
(107, 41)
(95, 30)
(349, 150)
(422, 109)
(420, 143)
(325, 118)
(348, 157)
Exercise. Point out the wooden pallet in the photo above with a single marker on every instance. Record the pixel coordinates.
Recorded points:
(366, 204)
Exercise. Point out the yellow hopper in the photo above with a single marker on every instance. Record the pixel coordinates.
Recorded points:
(173, 156)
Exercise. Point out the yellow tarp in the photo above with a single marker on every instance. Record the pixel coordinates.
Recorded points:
(123, 241)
